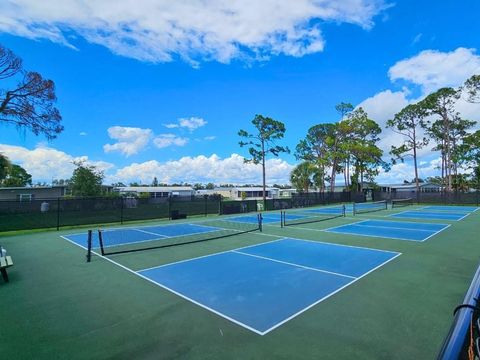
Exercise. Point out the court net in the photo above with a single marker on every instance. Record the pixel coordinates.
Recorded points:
(125, 240)
(366, 207)
(396, 203)
(311, 216)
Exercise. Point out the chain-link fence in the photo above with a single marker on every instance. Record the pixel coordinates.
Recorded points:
(470, 198)
(56, 213)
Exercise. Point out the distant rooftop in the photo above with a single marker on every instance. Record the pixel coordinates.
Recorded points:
(153, 188)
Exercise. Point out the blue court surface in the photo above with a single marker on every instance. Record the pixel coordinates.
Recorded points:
(141, 234)
(454, 208)
(260, 287)
(267, 218)
(327, 210)
(431, 215)
(400, 230)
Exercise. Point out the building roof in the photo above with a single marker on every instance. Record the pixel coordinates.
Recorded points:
(31, 187)
(254, 188)
(408, 186)
(153, 188)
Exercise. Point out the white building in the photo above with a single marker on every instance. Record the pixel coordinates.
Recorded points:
(239, 193)
(156, 191)
(424, 188)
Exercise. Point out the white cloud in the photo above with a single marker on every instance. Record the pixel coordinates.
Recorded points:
(195, 30)
(405, 171)
(209, 138)
(430, 70)
(130, 140)
(205, 169)
(433, 69)
(191, 123)
(417, 38)
(45, 163)
(383, 105)
(83, 133)
(166, 140)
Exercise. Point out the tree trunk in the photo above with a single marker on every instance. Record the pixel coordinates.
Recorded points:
(361, 178)
(348, 172)
(332, 181)
(448, 159)
(417, 185)
(263, 176)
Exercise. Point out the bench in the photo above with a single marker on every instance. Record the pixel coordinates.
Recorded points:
(5, 262)
(176, 215)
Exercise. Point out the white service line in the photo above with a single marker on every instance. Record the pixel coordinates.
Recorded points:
(151, 233)
(293, 264)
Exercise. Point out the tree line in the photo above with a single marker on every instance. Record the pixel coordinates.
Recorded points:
(350, 146)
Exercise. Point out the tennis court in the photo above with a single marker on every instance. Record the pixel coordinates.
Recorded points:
(399, 230)
(435, 212)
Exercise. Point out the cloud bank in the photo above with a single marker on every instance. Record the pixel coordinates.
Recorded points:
(196, 30)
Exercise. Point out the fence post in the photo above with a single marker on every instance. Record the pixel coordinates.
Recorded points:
(121, 210)
(220, 206)
(206, 205)
(58, 213)
(169, 208)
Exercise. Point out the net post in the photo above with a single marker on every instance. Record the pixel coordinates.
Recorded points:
(89, 246)
(344, 210)
(281, 218)
(260, 222)
(100, 241)
(354, 210)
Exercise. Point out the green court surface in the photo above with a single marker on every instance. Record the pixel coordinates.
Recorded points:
(57, 305)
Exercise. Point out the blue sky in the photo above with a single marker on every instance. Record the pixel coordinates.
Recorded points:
(162, 90)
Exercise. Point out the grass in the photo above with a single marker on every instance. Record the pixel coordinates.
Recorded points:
(58, 306)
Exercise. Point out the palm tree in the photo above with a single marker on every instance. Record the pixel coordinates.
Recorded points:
(301, 175)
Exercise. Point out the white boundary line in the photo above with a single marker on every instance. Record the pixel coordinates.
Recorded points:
(439, 231)
(451, 208)
(292, 264)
